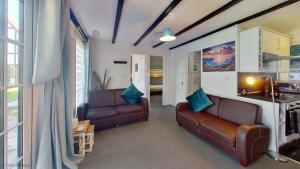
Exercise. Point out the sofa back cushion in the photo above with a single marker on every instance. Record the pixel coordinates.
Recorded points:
(118, 98)
(237, 111)
(101, 98)
(214, 109)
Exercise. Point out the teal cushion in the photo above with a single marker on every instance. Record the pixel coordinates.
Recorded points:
(132, 95)
(198, 101)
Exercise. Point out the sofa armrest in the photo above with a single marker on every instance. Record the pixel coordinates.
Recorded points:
(251, 142)
(81, 111)
(180, 107)
(145, 103)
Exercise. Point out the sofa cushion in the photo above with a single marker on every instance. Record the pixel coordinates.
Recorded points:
(213, 109)
(118, 98)
(132, 95)
(195, 117)
(99, 113)
(198, 101)
(101, 98)
(237, 111)
(129, 108)
(222, 130)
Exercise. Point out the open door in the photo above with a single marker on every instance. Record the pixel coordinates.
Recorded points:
(181, 78)
(139, 75)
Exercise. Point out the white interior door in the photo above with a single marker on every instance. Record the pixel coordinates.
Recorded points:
(139, 73)
(181, 78)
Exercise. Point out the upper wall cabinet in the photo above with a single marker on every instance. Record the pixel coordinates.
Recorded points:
(263, 50)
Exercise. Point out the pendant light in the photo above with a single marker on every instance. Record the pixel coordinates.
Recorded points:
(167, 35)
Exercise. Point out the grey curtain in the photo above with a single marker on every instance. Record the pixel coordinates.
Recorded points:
(52, 65)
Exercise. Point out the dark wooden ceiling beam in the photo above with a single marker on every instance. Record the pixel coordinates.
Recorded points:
(117, 20)
(264, 12)
(206, 18)
(161, 17)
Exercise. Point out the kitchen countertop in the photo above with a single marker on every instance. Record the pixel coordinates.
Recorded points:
(283, 99)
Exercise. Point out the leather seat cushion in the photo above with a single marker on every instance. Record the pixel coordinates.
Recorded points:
(196, 117)
(118, 98)
(99, 113)
(129, 108)
(238, 112)
(222, 130)
(101, 98)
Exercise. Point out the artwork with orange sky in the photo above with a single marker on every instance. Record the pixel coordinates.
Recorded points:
(220, 58)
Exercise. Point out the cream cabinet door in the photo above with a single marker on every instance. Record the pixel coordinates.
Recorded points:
(276, 44)
(270, 42)
(284, 50)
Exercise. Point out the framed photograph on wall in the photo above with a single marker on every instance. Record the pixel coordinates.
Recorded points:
(220, 58)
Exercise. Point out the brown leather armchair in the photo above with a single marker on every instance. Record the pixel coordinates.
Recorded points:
(230, 124)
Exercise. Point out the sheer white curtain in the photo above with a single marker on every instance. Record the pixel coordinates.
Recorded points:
(53, 143)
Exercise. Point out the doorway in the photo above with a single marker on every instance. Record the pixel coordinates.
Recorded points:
(147, 76)
(156, 80)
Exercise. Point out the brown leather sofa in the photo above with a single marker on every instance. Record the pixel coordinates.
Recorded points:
(107, 109)
(230, 124)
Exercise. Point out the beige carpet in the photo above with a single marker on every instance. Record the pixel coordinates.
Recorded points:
(161, 144)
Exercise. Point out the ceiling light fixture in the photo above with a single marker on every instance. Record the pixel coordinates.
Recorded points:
(167, 35)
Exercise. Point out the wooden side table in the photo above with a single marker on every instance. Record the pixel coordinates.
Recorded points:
(83, 136)
(89, 138)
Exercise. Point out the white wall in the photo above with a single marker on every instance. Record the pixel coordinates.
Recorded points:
(218, 83)
(104, 53)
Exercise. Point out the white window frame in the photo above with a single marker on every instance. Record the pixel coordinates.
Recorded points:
(26, 90)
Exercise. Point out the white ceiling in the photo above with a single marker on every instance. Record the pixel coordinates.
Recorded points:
(284, 20)
(138, 15)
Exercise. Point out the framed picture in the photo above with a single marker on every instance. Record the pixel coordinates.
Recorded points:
(220, 58)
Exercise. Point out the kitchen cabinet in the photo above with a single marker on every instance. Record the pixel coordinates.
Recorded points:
(256, 41)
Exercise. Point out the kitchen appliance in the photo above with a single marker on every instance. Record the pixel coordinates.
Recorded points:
(292, 118)
(289, 87)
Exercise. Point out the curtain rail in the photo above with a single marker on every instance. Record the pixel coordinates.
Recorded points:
(77, 25)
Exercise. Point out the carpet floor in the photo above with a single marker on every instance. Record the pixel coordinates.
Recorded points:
(160, 143)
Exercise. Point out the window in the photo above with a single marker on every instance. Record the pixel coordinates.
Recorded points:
(11, 87)
(80, 72)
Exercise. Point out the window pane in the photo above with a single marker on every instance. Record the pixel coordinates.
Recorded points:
(15, 20)
(80, 70)
(1, 152)
(14, 64)
(14, 109)
(14, 149)
(2, 17)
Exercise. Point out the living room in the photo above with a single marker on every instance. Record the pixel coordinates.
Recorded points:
(131, 84)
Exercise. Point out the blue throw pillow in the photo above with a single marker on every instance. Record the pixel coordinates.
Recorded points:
(198, 101)
(132, 95)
